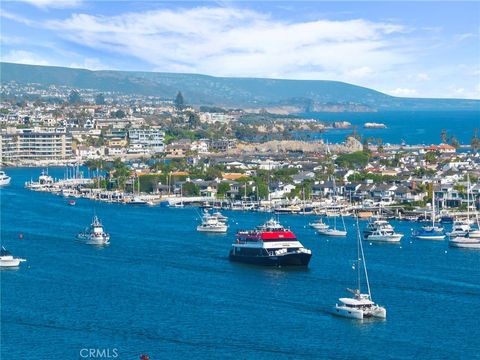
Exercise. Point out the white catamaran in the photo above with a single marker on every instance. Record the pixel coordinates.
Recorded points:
(360, 305)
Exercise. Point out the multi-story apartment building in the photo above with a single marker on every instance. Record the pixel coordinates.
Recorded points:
(149, 140)
(28, 145)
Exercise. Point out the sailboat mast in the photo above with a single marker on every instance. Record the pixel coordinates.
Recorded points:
(363, 259)
(468, 199)
(358, 259)
(433, 205)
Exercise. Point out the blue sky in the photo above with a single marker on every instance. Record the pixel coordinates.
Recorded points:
(421, 49)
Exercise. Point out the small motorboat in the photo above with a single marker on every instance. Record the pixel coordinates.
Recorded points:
(71, 202)
(7, 259)
(4, 178)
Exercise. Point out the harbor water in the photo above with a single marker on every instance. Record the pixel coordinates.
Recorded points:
(163, 289)
(412, 127)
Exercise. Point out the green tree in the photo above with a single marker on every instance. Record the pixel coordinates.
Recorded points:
(444, 136)
(431, 157)
(222, 189)
(380, 145)
(355, 160)
(179, 101)
(190, 188)
(119, 114)
(213, 173)
(454, 142)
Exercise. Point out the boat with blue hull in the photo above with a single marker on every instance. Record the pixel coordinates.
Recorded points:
(270, 244)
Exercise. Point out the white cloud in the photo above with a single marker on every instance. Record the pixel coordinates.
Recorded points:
(240, 42)
(58, 4)
(23, 57)
(402, 92)
(422, 77)
(91, 64)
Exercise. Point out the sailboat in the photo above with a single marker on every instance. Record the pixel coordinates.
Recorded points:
(431, 232)
(333, 231)
(179, 204)
(360, 305)
(470, 238)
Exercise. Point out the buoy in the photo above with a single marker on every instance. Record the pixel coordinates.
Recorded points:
(445, 251)
(20, 236)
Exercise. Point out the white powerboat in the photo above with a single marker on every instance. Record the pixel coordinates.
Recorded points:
(384, 236)
(95, 235)
(220, 216)
(459, 228)
(359, 306)
(465, 242)
(377, 223)
(44, 183)
(211, 223)
(4, 178)
(7, 259)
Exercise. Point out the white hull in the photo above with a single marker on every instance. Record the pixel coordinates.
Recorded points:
(4, 182)
(12, 262)
(465, 243)
(219, 229)
(359, 314)
(348, 312)
(474, 234)
(319, 226)
(332, 232)
(430, 237)
(385, 238)
(95, 240)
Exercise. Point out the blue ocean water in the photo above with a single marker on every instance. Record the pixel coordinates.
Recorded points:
(163, 289)
(414, 127)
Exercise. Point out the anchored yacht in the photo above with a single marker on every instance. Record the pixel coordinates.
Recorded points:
(269, 244)
(212, 223)
(4, 178)
(377, 223)
(382, 235)
(465, 242)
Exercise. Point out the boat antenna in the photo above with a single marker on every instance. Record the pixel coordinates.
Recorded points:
(364, 262)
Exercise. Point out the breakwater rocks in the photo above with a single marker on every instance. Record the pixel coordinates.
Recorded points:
(285, 146)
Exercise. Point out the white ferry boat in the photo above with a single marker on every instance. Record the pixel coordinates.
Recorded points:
(270, 244)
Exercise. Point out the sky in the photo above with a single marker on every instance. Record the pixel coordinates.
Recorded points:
(413, 49)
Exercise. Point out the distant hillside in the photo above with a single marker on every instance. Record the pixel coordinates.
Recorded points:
(253, 93)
